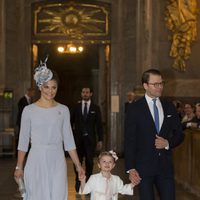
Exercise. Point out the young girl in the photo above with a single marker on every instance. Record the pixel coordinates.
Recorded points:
(104, 185)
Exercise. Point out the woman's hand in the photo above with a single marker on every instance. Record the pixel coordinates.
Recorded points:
(18, 173)
(81, 173)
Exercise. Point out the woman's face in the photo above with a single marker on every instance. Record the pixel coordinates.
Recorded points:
(49, 90)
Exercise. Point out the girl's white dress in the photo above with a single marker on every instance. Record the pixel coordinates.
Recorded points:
(49, 131)
(102, 188)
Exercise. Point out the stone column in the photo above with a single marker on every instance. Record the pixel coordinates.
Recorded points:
(116, 62)
(143, 37)
(2, 45)
(147, 38)
(103, 88)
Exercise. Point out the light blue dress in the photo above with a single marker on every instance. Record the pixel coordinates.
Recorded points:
(49, 131)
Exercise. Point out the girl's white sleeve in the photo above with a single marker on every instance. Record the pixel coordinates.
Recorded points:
(89, 186)
(124, 189)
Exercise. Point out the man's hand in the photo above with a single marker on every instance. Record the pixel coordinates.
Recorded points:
(161, 143)
(134, 177)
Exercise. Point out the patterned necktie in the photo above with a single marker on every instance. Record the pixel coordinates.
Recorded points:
(85, 111)
(156, 115)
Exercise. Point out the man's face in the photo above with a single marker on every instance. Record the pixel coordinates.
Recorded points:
(131, 96)
(198, 112)
(31, 93)
(86, 94)
(188, 109)
(154, 87)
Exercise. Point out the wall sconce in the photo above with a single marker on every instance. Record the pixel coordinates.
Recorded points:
(70, 48)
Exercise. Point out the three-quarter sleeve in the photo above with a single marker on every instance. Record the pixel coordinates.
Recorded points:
(25, 131)
(68, 137)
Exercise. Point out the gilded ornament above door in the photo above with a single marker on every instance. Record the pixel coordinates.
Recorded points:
(71, 21)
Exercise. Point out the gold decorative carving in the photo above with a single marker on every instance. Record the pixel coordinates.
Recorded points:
(74, 20)
(181, 20)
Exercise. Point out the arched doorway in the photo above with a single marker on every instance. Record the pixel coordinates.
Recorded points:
(75, 23)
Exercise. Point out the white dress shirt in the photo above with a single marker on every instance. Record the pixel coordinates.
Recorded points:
(159, 106)
(83, 105)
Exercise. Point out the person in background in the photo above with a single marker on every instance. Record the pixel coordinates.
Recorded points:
(104, 185)
(152, 130)
(130, 99)
(46, 123)
(179, 108)
(197, 115)
(88, 131)
(195, 122)
(189, 115)
(23, 101)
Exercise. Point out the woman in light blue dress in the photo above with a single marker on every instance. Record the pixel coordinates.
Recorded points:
(46, 125)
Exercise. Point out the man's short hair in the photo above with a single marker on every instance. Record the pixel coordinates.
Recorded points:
(146, 75)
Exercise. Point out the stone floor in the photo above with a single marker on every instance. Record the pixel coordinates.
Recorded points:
(8, 188)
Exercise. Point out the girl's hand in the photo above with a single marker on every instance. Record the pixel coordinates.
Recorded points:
(134, 177)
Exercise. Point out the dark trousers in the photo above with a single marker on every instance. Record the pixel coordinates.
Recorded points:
(164, 184)
(85, 150)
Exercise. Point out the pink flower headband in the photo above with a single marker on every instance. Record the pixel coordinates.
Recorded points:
(114, 155)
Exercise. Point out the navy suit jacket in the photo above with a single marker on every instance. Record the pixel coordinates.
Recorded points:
(21, 104)
(140, 134)
(93, 123)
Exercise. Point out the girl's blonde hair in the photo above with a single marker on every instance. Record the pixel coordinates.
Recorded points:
(108, 153)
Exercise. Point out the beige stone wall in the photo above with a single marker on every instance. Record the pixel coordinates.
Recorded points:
(139, 39)
(178, 84)
(2, 46)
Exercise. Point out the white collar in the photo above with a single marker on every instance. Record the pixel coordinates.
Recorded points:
(88, 102)
(149, 99)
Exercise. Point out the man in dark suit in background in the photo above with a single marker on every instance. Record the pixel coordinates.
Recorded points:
(23, 101)
(88, 131)
(130, 99)
(152, 130)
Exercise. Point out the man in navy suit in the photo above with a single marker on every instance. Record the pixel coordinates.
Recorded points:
(130, 99)
(88, 131)
(152, 130)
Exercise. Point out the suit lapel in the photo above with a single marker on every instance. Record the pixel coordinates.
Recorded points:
(80, 110)
(164, 115)
(147, 111)
(149, 115)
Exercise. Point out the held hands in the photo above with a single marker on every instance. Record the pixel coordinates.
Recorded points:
(161, 143)
(81, 173)
(81, 177)
(134, 177)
